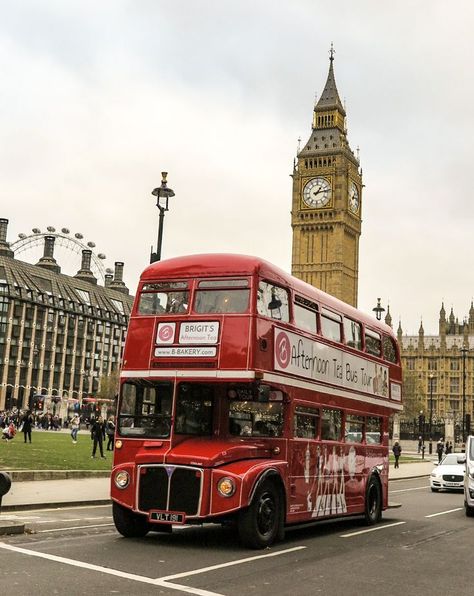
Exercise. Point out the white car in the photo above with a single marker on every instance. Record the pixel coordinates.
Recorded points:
(469, 478)
(449, 473)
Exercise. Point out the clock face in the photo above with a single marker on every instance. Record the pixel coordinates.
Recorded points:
(317, 193)
(353, 198)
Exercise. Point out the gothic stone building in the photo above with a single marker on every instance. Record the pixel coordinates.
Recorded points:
(442, 366)
(59, 335)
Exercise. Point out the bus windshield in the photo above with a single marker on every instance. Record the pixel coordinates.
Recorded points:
(145, 409)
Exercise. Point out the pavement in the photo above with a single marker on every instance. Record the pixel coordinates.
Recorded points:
(42, 490)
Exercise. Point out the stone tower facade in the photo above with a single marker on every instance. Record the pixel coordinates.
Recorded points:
(327, 201)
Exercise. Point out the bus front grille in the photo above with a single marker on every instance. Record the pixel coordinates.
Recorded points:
(169, 488)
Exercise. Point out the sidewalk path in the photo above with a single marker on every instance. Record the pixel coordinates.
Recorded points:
(49, 493)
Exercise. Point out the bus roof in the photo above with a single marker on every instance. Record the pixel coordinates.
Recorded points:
(223, 265)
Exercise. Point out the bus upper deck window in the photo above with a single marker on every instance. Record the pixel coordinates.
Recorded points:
(331, 325)
(389, 349)
(272, 302)
(353, 333)
(222, 296)
(373, 343)
(163, 298)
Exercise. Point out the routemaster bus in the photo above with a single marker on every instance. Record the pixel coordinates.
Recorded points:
(249, 396)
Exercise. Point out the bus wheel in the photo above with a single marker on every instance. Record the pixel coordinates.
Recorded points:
(469, 510)
(373, 502)
(259, 524)
(129, 524)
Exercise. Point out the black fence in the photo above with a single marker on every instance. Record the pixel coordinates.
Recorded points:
(413, 429)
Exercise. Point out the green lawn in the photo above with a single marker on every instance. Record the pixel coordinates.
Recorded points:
(52, 451)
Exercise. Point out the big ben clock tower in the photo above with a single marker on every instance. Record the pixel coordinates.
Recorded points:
(327, 193)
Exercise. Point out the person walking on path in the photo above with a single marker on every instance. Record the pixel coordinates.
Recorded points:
(98, 436)
(440, 449)
(110, 430)
(396, 452)
(420, 443)
(75, 424)
(27, 424)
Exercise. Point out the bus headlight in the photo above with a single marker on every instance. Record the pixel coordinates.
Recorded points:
(226, 487)
(122, 479)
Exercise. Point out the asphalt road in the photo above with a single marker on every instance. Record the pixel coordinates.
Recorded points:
(424, 547)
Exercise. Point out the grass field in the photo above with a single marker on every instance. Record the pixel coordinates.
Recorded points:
(52, 451)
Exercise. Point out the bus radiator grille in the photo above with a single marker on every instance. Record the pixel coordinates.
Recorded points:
(170, 488)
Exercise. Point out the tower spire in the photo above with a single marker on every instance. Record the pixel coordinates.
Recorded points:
(329, 98)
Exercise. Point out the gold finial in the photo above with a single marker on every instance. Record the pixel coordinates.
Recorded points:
(163, 176)
(332, 51)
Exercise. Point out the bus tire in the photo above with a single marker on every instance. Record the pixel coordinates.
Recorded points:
(260, 524)
(469, 510)
(373, 502)
(129, 524)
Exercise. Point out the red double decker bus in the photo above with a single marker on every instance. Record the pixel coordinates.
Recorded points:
(249, 395)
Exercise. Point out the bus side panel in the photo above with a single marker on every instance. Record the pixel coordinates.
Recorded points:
(139, 343)
(234, 343)
(327, 479)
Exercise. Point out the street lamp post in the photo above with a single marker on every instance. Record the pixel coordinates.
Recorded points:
(463, 352)
(162, 194)
(379, 309)
(431, 377)
(35, 366)
(421, 422)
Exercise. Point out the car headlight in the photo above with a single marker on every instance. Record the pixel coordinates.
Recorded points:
(471, 473)
(226, 487)
(122, 479)
(435, 475)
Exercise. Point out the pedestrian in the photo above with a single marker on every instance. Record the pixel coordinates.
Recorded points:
(75, 425)
(420, 443)
(98, 435)
(396, 452)
(27, 424)
(449, 447)
(440, 449)
(110, 431)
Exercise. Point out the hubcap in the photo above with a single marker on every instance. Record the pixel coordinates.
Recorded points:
(266, 514)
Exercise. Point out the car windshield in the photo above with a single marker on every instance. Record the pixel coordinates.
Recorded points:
(451, 459)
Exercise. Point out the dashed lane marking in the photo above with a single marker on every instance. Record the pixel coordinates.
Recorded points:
(444, 512)
(231, 563)
(375, 529)
(406, 490)
(74, 528)
(163, 582)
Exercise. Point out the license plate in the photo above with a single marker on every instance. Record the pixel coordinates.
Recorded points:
(452, 484)
(167, 517)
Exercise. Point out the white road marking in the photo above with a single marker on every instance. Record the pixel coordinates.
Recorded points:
(444, 512)
(406, 490)
(231, 563)
(67, 508)
(74, 528)
(160, 581)
(372, 529)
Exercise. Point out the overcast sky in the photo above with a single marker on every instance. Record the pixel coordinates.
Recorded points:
(97, 98)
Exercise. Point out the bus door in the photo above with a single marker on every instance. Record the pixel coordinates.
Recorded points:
(305, 457)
